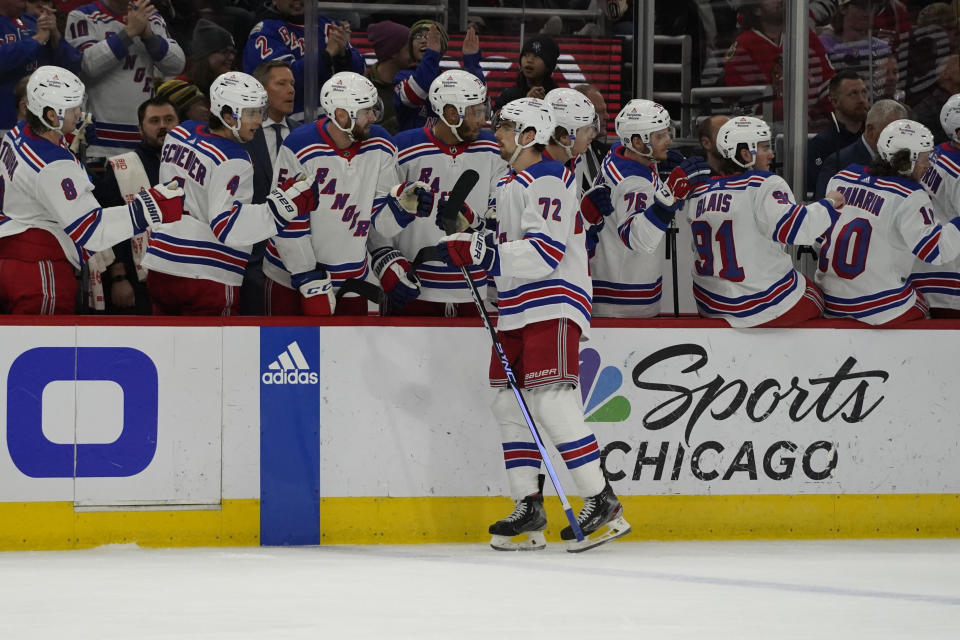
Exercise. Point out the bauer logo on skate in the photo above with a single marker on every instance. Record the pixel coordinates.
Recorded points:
(290, 367)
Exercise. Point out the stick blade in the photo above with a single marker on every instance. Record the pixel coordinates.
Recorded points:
(465, 184)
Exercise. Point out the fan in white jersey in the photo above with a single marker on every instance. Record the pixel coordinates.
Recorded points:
(196, 265)
(538, 260)
(887, 224)
(50, 223)
(627, 278)
(741, 223)
(940, 284)
(437, 156)
(355, 165)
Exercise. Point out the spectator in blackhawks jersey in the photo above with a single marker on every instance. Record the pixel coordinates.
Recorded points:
(123, 46)
(51, 223)
(537, 258)
(28, 41)
(428, 42)
(888, 224)
(740, 223)
(196, 265)
(280, 36)
(355, 164)
(436, 156)
(940, 284)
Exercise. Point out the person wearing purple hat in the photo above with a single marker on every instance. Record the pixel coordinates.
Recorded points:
(389, 41)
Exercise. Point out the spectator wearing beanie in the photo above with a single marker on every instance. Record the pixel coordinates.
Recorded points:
(187, 99)
(212, 53)
(427, 44)
(390, 45)
(538, 59)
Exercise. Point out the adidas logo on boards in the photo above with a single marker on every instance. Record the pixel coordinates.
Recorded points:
(290, 367)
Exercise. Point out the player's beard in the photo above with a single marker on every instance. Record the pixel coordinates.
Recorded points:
(468, 135)
(361, 133)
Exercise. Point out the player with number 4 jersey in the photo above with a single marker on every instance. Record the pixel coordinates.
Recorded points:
(50, 223)
(887, 225)
(196, 265)
(741, 224)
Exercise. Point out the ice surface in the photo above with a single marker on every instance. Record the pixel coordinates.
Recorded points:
(873, 589)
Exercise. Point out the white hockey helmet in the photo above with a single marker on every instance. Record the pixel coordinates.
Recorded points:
(742, 130)
(236, 91)
(527, 113)
(571, 111)
(950, 117)
(353, 93)
(904, 134)
(54, 88)
(460, 89)
(641, 118)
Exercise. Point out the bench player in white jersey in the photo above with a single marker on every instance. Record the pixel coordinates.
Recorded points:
(538, 260)
(355, 166)
(887, 224)
(940, 284)
(122, 50)
(627, 280)
(437, 156)
(741, 223)
(196, 265)
(50, 223)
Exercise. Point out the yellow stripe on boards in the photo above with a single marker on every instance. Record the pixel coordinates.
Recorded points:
(55, 525)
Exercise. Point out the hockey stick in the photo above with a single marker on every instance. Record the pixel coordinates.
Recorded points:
(449, 218)
(672, 233)
(362, 288)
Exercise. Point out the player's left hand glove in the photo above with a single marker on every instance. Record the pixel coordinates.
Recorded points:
(410, 200)
(161, 204)
(688, 174)
(596, 205)
(466, 218)
(316, 291)
(294, 197)
(468, 249)
(391, 268)
(664, 206)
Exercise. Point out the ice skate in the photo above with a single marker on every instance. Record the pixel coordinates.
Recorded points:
(523, 529)
(600, 519)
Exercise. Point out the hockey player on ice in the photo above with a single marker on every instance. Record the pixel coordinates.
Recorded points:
(888, 224)
(354, 162)
(50, 223)
(196, 265)
(537, 258)
(437, 155)
(940, 284)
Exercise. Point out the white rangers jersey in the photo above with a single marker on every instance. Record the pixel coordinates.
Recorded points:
(118, 73)
(867, 257)
(42, 186)
(213, 239)
(354, 185)
(422, 157)
(541, 270)
(940, 284)
(627, 280)
(740, 225)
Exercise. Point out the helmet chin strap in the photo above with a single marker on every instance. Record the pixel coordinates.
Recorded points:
(648, 156)
(349, 132)
(454, 128)
(520, 147)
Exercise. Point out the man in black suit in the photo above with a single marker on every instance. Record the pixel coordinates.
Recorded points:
(848, 95)
(882, 113)
(277, 78)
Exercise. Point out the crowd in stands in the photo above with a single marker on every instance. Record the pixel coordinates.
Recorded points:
(149, 66)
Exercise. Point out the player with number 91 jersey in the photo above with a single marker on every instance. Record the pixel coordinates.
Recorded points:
(887, 224)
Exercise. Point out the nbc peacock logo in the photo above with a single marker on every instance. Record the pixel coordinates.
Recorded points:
(598, 386)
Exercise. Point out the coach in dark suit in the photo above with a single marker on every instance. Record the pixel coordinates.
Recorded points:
(865, 148)
(277, 78)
